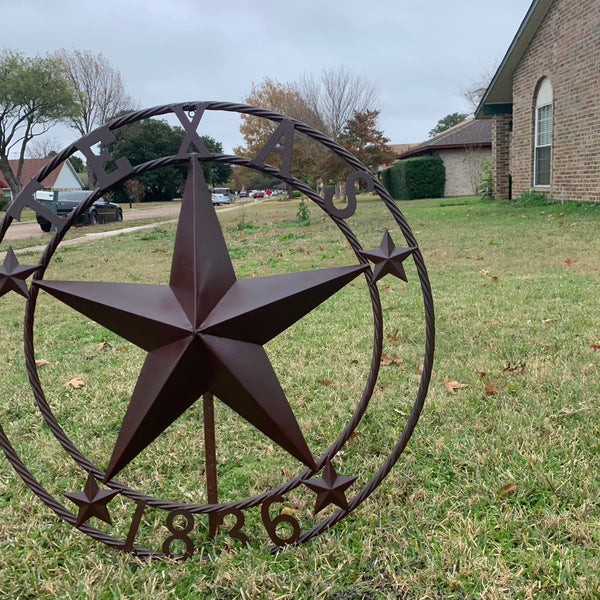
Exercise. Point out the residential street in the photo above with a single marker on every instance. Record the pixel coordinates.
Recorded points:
(27, 229)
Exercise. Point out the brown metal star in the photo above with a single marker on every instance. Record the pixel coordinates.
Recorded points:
(204, 331)
(388, 258)
(330, 488)
(13, 275)
(92, 502)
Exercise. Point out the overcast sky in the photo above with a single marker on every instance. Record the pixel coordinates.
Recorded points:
(418, 54)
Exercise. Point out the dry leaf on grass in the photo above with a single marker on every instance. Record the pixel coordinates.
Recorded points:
(451, 385)
(41, 361)
(75, 383)
(393, 336)
(394, 359)
(516, 369)
(507, 489)
(101, 345)
(491, 387)
(324, 381)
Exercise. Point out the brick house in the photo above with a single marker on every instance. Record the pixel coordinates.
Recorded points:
(544, 104)
(461, 148)
(61, 179)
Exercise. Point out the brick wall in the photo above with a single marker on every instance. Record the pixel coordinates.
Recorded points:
(501, 146)
(461, 166)
(566, 49)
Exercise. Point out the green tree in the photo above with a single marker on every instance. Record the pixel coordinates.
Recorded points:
(446, 122)
(34, 96)
(154, 138)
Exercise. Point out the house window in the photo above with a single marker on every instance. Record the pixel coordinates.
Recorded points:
(543, 135)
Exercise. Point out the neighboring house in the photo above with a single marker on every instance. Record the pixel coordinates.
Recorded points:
(544, 104)
(61, 179)
(462, 148)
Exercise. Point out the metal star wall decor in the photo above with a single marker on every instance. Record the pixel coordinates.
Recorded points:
(208, 334)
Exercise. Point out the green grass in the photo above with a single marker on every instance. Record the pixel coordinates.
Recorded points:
(497, 493)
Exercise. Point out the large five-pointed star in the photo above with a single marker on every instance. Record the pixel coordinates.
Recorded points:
(204, 331)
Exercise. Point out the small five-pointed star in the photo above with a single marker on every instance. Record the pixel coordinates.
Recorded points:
(13, 275)
(92, 502)
(388, 258)
(330, 488)
(204, 331)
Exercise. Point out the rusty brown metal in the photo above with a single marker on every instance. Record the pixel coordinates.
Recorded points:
(204, 334)
(210, 459)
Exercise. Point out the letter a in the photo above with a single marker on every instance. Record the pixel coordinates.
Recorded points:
(276, 145)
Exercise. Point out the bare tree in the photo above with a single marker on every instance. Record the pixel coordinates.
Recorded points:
(336, 96)
(42, 148)
(474, 90)
(100, 92)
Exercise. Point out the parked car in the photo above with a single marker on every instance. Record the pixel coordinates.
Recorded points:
(243, 194)
(258, 194)
(101, 211)
(222, 196)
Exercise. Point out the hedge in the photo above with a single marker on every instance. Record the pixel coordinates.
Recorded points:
(419, 177)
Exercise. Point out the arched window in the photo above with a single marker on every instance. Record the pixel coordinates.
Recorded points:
(543, 134)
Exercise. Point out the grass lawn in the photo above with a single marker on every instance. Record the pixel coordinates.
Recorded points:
(497, 494)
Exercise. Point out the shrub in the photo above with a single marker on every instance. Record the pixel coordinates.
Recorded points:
(419, 177)
(483, 178)
(531, 198)
(296, 194)
(3, 202)
(303, 214)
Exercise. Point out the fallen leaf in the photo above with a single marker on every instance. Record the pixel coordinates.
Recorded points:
(287, 510)
(75, 383)
(595, 346)
(485, 271)
(481, 372)
(561, 223)
(393, 336)
(388, 288)
(324, 381)
(517, 369)
(394, 359)
(569, 262)
(507, 489)
(41, 361)
(544, 321)
(491, 387)
(480, 258)
(588, 368)
(354, 434)
(102, 345)
(494, 279)
(451, 385)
